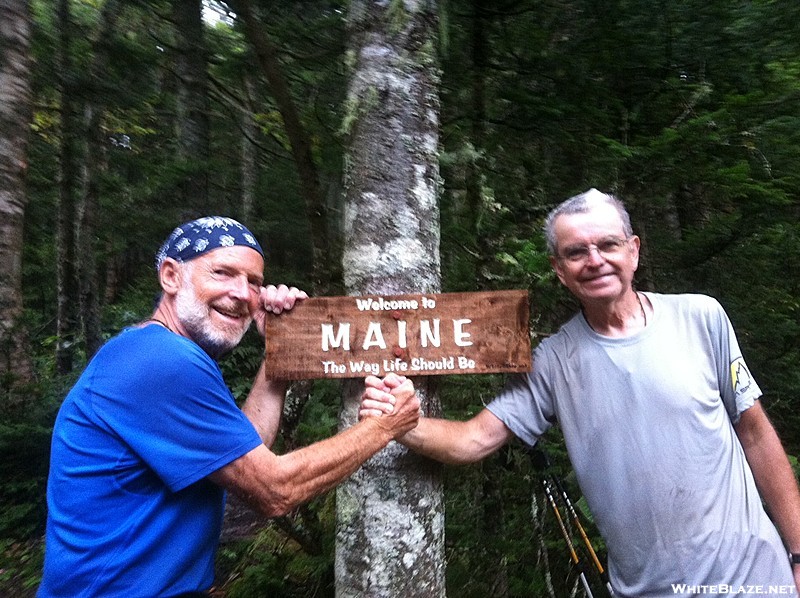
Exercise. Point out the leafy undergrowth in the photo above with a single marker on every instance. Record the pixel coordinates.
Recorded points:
(20, 567)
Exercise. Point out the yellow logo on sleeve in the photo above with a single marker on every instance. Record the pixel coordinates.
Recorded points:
(740, 376)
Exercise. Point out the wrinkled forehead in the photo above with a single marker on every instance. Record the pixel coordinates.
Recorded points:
(596, 222)
(237, 257)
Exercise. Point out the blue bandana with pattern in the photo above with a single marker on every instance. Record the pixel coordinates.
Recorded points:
(193, 239)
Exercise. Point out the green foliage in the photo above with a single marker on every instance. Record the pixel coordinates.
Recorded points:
(24, 459)
(793, 461)
(270, 565)
(24, 454)
(239, 367)
(320, 416)
(20, 567)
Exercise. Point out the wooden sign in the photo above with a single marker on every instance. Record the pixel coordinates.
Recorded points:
(412, 335)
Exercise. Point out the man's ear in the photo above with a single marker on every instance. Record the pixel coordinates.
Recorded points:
(557, 268)
(170, 276)
(635, 245)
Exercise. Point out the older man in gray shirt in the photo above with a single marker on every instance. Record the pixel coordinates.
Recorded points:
(671, 446)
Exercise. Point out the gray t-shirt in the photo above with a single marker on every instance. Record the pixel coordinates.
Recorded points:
(648, 424)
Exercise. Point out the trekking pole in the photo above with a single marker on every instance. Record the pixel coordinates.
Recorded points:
(542, 463)
(576, 521)
(567, 539)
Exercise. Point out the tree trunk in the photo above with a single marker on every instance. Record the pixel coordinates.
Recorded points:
(492, 503)
(390, 513)
(66, 272)
(249, 168)
(192, 104)
(15, 116)
(94, 164)
(475, 177)
(316, 207)
(86, 232)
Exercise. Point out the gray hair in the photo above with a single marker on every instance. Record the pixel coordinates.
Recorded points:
(580, 204)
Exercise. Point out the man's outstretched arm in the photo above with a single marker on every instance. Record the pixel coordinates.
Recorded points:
(276, 484)
(448, 441)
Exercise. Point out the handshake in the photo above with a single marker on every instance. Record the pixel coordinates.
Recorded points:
(393, 400)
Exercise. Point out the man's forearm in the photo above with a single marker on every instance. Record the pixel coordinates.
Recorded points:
(277, 484)
(321, 466)
(264, 405)
(778, 487)
(457, 442)
(772, 473)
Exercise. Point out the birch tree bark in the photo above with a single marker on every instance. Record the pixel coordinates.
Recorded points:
(15, 116)
(390, 514)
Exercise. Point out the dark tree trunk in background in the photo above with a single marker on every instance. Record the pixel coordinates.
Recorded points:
(475, 180)
(95, 164)
(249, 169)
(300, 142)
(68, 296)
(15, 116)
(192, 104)
(390, 513)
(492, 503)
(86, 231)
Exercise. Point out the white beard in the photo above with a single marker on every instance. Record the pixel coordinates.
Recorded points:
(195, 317)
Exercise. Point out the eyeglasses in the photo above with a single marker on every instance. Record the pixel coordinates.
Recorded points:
(608, 248)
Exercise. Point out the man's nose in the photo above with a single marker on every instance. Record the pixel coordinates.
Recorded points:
(240, 288)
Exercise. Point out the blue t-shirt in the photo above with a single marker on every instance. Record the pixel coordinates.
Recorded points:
(130, 511)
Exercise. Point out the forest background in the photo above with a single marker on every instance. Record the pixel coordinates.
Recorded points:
(141, 115)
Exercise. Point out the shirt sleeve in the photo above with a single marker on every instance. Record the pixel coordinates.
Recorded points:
(526, 405)
(738, 388)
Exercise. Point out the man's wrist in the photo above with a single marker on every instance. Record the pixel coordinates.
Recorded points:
(794, 559)
(383, 430)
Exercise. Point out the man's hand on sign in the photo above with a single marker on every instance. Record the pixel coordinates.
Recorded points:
(276, 299)
(393, 401)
